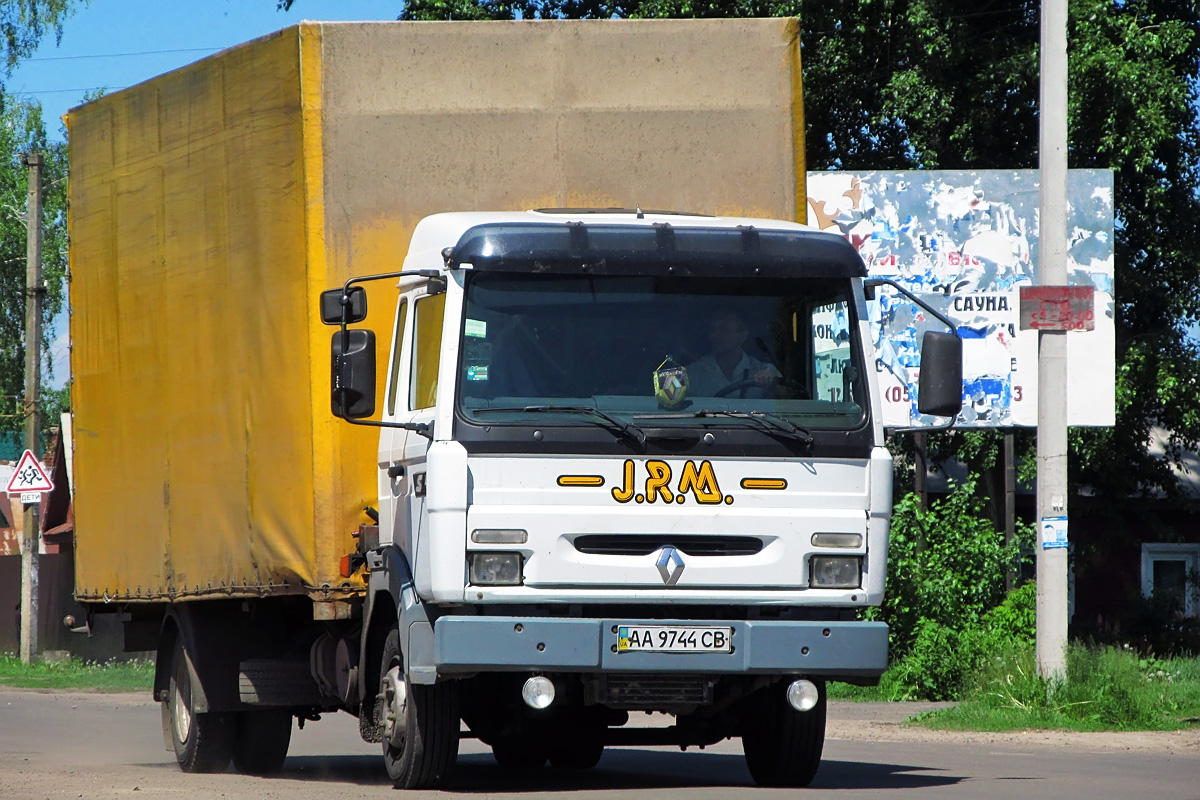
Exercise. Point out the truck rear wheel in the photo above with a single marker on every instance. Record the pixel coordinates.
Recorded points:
(202, 742)
(261, 742)
(420, 724)
(783, 746)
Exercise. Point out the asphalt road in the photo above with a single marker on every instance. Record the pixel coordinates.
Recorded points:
(110, 746)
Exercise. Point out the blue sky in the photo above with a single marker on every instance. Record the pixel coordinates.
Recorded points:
(112, 44)
(117, 43)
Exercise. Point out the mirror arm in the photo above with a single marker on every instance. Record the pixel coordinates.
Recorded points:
(871, 283)
(405, 273)
(420, 428)
(433, 274)
(942, 428)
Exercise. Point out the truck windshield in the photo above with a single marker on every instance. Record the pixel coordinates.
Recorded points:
(668, 349)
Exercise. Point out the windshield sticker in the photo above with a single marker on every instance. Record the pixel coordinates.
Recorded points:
(699, 479)
(477, 357)
(476, 328)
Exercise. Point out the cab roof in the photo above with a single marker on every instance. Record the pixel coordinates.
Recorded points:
(628, 242)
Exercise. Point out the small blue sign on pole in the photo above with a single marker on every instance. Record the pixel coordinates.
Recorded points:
(1054, 532)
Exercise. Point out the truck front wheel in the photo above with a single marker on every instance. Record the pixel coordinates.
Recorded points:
(420, 724)
(783, 746)
(577, 753)
(261, 742)
(202, 742)
(511, 753)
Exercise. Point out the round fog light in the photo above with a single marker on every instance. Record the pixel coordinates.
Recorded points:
(538, 692)
(803, 695)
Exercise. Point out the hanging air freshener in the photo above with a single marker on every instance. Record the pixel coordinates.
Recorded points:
(670, 383)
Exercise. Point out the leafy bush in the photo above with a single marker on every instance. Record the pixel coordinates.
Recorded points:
(937, 665)
(1015, 619)
(943, 660)
(945, 566)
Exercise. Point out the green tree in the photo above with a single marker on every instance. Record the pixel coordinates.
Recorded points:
(23, 130)
(949, 84)
(24, 24)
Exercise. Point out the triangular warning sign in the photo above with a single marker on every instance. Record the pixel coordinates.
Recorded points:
(29, 476)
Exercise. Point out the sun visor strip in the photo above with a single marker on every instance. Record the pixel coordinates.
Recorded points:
(651, 250)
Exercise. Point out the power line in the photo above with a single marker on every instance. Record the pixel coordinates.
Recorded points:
(127, 55)
(66, 91)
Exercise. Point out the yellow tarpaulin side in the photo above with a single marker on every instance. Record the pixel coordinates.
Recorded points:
(212, 205)
(199, 467)
(799, 165)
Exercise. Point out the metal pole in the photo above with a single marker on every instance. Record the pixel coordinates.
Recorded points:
(1010, 502)
(921, 472)
(31, 536)
(1052, 345)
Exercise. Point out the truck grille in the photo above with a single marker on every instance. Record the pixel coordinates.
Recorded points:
(637, 544)
(651, 691)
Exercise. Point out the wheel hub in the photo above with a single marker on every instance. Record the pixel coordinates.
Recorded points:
(395, 707)
(182, 715)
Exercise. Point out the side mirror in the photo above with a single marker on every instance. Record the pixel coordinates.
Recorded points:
(353, 374)
(939, 390)
(331, 306)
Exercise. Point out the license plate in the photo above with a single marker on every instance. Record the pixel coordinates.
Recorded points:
(673, 639)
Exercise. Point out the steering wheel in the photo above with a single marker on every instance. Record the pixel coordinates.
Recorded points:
(777, 381)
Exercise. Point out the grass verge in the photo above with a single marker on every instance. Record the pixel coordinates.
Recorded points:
(1106, 689)
(110, 676)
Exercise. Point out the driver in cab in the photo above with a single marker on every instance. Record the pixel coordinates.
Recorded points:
(727, 364)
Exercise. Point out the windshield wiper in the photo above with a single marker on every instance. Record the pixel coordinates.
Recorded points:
(770, 422)
(627, 429)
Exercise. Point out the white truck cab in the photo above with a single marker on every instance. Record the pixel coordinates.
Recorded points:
(628, 461)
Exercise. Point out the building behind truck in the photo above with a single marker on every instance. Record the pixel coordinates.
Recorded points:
(532, 533)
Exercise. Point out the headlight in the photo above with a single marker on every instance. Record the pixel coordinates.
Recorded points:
(495, 569)
(835, 572)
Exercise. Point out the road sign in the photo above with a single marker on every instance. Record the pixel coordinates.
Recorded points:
(1058, 308)
(29, 476)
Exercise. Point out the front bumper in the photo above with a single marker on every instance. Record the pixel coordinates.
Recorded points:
(517, 644)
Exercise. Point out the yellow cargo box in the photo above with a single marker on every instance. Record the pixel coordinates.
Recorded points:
(210, 206)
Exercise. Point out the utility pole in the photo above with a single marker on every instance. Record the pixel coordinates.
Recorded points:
(31, 536)
(1010, 503)
(1052, 347)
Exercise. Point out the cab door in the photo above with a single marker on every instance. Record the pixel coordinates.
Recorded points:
(392, 440)
(415, 404)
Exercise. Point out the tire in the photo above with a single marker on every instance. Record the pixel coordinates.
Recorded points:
(512, 754)
(202, 742)
(577, 750)
(420, 754)
(261, 741)
(783, 746)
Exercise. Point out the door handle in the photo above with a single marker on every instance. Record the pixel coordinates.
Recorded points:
(396, 471)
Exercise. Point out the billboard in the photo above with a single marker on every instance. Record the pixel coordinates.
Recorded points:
(965, 242)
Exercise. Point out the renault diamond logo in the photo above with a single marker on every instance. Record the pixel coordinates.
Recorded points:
(670, 565)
